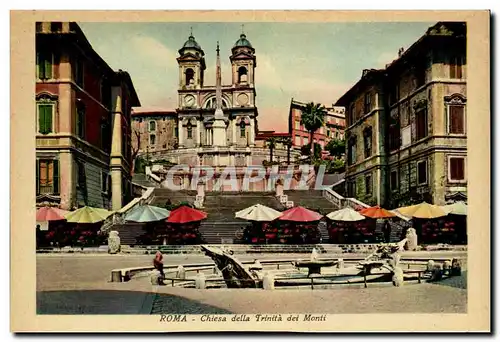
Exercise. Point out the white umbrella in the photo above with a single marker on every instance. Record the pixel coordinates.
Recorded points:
(258, 212)
(347, 214)
(457, 208)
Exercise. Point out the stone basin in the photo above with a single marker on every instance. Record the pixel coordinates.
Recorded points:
(314, 266)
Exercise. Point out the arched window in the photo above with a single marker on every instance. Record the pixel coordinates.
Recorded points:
(242, 129)
(242, 74)
(189, 130)
(189, 76)
(152, 126)
(212, 103)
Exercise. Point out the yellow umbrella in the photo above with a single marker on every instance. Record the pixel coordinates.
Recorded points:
(423, 210)
(87, 215)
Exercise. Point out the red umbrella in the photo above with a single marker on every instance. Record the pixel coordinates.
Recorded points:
(186, 214)
(300, 214)
(50, 214)
(376, 212)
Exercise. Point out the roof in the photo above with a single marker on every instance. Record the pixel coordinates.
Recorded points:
(243, 42)
(369, 76)
(125, 78)
(262, 135)
(190, 44)
(168, 112)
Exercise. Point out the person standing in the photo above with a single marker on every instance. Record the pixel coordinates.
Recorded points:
(158, 263)
(387, 231)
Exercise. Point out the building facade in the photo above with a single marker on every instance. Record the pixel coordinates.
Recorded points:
(333, 128)
(83, 107)
(199, 129)
(406, 137)
(154, 131)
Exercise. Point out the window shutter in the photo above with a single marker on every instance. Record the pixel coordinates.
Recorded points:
(48, 66)
(38, 65)
(457, 119)
(41, 119)
(37, 177)
(48, 118)
(56, 176)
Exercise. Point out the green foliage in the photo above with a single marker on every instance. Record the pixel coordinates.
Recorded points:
(173, 206)
(332, 166)
(306, 150)
(336, 147)
(271, 143)
(313, 118)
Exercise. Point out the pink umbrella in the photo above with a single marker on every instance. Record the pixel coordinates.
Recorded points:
(300, 214)
(50, 214)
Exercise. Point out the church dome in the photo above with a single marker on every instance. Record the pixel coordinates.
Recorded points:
(190, 44)
(243, 42)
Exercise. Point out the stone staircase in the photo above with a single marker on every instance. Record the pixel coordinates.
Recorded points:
(129, 232)
(142, 179)
(221, 225)
(161, 196)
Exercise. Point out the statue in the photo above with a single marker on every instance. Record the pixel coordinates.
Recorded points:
(181, 272)
(113, 242)
(235, 275)
(397, 277)
(411, 239)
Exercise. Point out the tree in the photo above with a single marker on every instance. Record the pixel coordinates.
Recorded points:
(271, 143)
(313, 118)
(306, 150)
(336, 147)
(287, 141)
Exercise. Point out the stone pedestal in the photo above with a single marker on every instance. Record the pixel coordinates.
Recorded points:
(200, 281)
(181, 272)
(113, 242)
(430, 265)
(268, 282)
(398, 277)
(156, 278)
(411, 239)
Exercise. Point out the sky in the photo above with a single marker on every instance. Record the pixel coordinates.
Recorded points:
(308, 62)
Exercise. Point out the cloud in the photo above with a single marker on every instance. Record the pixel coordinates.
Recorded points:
(153, 52)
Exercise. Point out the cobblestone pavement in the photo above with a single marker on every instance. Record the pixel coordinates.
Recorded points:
(79, 284)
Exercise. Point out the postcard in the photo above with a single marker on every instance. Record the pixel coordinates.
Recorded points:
(291, 171)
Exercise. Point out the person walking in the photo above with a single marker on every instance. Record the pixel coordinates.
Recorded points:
(387, 231)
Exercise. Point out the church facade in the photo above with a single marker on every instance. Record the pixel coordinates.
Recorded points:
(205, 138)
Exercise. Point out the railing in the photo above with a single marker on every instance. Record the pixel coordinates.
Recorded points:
(118, 216)
(334, 197)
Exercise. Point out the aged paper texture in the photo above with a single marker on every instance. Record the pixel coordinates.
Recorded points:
(355, 309)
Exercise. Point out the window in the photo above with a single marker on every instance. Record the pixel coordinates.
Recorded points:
(456, 167)
(47, 176)
(189, 76)
(367, 141)
(419, 76)
(81, 181)
(351, 114)
(368, 184)
(422, 172)
(351, 188)
(456, 119)
(394, 94)
(104, 182)
(242, 129)
(105, 143)
(152, 126)
(394, 135)
(456, 63)
(212, 103)
(78, 71)
(56, 26)
(328, 132)
(242, 74)
(421, 123)
(368, 103)
(44, 61)
(45, 111)
(306, 140)
(297, 140)
(297, 125)
(394, 180)
(152, 139)
(38, 26)
(189, 130)
(352, 151)
(80, 120)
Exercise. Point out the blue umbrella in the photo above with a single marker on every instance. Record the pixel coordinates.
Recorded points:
(147, 213)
